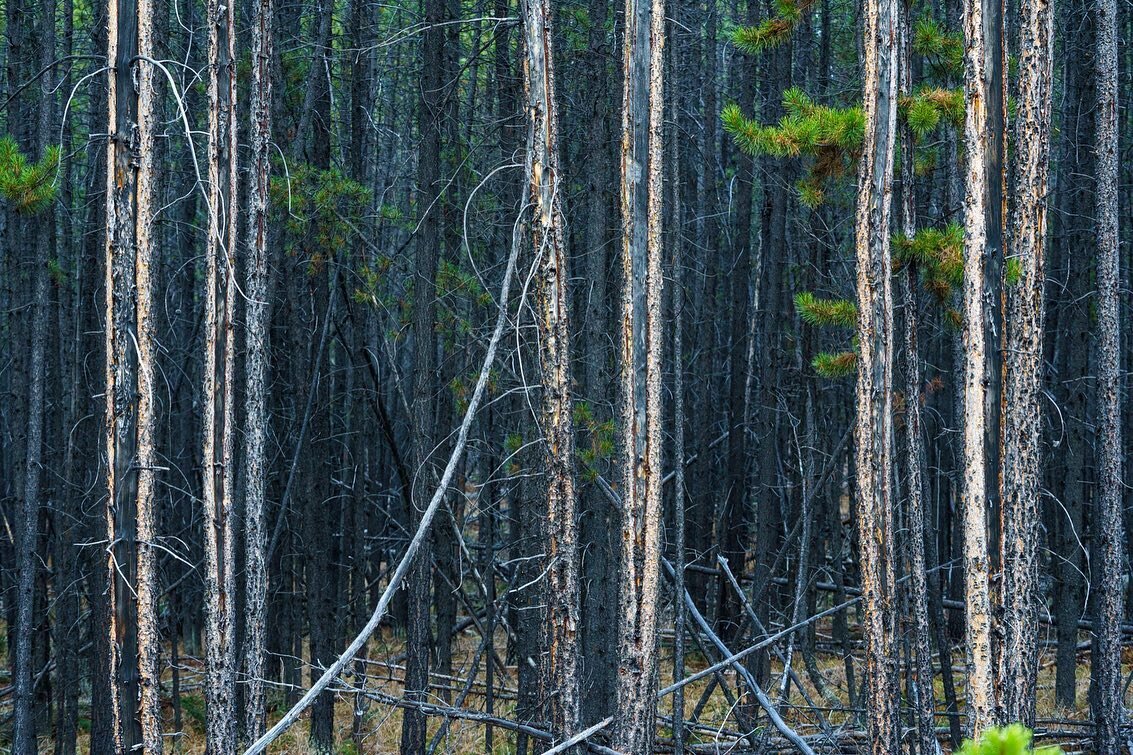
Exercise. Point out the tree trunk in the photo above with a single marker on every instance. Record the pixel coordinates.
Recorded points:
(1109, 529)
(27, 565)
(130, 382)
(873, 435)
(430, 116)
(561, 684)
(257, 358)
(981, 698)
(925, 702)
(1024, 327)
(641, 346)
(218, 386)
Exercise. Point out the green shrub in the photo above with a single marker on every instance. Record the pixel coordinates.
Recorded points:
(1008, 740)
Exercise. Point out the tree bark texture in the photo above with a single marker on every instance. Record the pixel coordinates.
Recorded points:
(641, 345)
(873, 434)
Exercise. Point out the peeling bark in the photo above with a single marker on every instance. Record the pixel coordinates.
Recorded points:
(873, 433)
(548, 236)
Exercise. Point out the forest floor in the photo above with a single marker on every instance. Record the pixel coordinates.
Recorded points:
(716, 729)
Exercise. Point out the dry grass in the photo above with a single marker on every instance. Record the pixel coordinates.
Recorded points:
(382, 723)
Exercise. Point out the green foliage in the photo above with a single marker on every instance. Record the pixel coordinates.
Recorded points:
(831, 135)
(1013, 271)
(939, 255)
(807, 129)
(811, 194)
(775, 30)
(29, 186)
(194, 707)
(599, 446)
(826, 312)
(452, 279)
(835, 365)
(926, 108)
(1008, 740)
(56, 272)
(321, 209)
(942, 49)
(925, 161)
(840, 313)
(922, 118)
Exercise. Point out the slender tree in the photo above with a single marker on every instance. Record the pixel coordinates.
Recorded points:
(218, 386)
(925, 696)
(544, 180)
(27, 565)
(1109, 526)
(641, 345)
(256, 365)
(873, 434)
(1019, 527)
(981, 699)
(430, 115)
(131, 392)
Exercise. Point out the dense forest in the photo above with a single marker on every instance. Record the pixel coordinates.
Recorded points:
(564, 376)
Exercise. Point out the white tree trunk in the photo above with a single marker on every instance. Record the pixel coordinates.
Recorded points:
(549, 244)
(981, 700)
(1024, 327)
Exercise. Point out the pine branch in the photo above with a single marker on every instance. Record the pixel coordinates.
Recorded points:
(826, 312)
(833, 366)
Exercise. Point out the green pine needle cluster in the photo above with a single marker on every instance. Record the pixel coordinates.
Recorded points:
(775, 30)
(1013, 271)
(942, 49)
(831, 135)
(841, 313)
(929, 106)
(811, 193)
(938, 253)
(835, 365)
(29, 186)
(321, 210)
(599, 444)
(1008, 740)
(807, 129)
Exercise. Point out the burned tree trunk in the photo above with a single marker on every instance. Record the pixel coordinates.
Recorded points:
(1019, 527)
(131, 417)
(218, 386)
(1109, 529)
(548, 236)
(257, 358)
(873, 433)
(641, 346)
